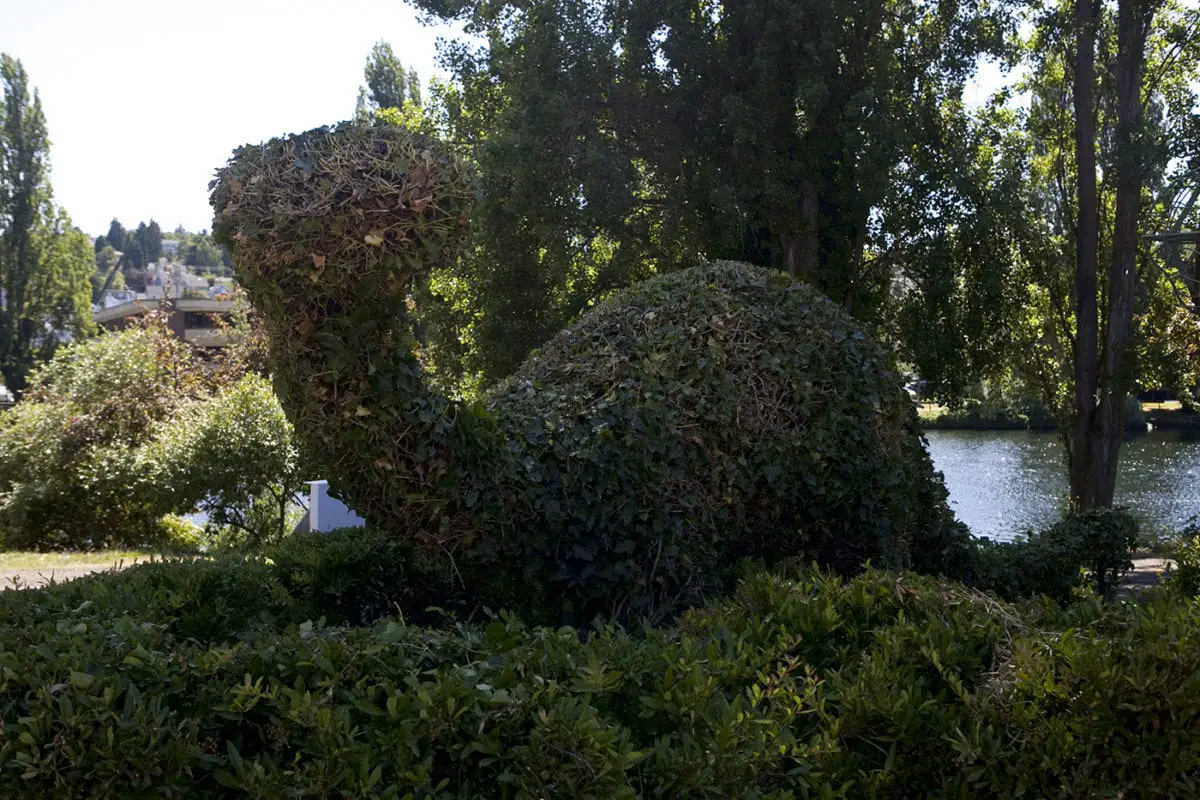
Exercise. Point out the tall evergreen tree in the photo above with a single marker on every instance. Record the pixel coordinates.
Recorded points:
(45, 263)
(152, 244)
(116, 234)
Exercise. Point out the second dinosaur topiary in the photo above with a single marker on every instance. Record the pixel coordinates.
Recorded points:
(696, 418)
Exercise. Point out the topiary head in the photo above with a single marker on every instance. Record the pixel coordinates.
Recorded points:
(327, 230)
(335, 218)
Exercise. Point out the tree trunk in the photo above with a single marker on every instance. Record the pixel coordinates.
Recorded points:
(805, 254)
(1086, 247)
(1133, 17)
(1194, 286)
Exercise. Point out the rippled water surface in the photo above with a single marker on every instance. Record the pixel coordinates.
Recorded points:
(1006, 482)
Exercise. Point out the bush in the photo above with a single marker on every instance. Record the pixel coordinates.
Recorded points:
(350, 576)
(231, 456)
(1088, 550)
(119, 430)
(179, 535)
(358, 575)
(1184, 577)
(882, 687)
(69, 472)
(699, 417)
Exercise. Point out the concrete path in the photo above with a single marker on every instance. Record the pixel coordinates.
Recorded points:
(1146, 572)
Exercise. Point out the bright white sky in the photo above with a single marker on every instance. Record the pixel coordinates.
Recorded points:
(144, 100)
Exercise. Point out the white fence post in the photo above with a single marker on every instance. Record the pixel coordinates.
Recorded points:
(326, 513)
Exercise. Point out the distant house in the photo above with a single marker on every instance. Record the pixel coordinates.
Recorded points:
(170, 247)
(114, 297)
(174, 280)
(191, 319)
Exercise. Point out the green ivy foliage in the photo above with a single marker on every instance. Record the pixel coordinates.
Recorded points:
(721, 412)
(796, 686)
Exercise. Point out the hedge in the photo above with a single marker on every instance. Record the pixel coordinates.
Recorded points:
(798, 685)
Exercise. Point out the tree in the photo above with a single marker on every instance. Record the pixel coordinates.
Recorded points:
(135, 256)
(389, 85)
(117, 235)
(616, 139)
(1100, 401)
(45, 263)
(153, 243)
(149, 238)
(1090, 164)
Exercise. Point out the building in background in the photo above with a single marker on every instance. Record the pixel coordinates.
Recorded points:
(189, 318)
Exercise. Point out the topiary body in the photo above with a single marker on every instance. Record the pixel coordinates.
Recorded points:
(696, 418)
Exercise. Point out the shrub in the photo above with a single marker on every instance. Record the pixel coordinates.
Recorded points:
(697, 418)
(350, 576)
(69, 473)
(119, 430)
(882, 687)
(1092, 549)
(358, 575)
(232, 456)
(1184, 577)
(180, 535)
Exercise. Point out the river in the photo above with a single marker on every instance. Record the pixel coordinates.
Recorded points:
(1003, 483)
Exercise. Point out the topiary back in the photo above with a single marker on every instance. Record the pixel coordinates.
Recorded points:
(692, 420)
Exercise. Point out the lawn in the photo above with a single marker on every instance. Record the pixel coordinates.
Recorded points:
(18, 560)
(26, 569)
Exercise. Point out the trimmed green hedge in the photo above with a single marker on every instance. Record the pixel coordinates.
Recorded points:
(797, 686)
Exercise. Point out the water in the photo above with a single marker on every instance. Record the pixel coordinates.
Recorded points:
(1007, 482)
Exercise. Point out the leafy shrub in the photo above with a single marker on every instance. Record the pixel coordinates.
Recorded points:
(1007, 410)
(1184, 576)
(69, 472)
(350, 576)
(231, 456)
(1092, 549)
(119, 430)
(993, 414)
(882, 687)
(358, 575)
(190, 598)
(180, 535)
(699, 417)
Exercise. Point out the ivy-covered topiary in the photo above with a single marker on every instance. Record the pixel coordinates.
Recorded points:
(699, 417)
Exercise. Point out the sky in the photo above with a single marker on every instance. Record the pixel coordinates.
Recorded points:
(144, 100)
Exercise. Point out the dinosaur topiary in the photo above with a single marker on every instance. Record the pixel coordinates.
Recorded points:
(720, 412)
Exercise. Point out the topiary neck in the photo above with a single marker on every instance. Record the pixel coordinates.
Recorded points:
(327, 230)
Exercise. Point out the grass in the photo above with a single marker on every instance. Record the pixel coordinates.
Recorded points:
(17, 560)
(930, 410)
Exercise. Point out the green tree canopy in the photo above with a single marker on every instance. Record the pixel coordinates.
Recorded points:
(116, 234)
(389, 84)
(614, 139)
(45, 263)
